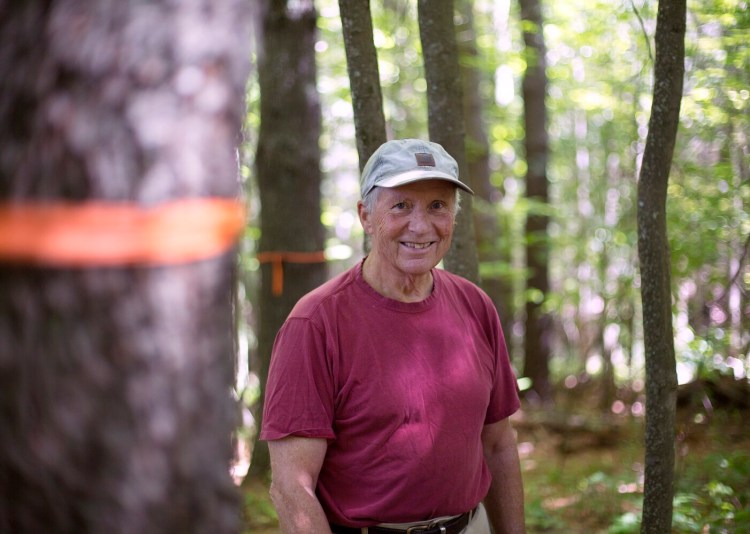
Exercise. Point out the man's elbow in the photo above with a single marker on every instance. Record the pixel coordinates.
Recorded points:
(285, 491)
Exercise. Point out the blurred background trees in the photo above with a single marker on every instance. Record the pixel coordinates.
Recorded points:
(599, 66)
(287, 165)
(556, 102)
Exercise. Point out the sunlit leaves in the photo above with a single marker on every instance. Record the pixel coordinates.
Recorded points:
(599, 64)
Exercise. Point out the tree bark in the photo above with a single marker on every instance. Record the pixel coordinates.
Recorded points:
(538, 331)
(653, 251)
(445, 118)
(364, 81)
(114, 381)
(485, 217)
(364, 77)
(289, 176)
(477, 144)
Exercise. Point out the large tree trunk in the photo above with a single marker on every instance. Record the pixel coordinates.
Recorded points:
(114, 381)
(538, 331)
(445, 117)
(364, 77)
(289, 177)
(653, 251)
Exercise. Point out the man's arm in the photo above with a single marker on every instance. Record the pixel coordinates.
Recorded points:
(504, 501)
(295, 465)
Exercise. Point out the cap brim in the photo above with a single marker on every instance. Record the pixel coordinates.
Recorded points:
(418, 176)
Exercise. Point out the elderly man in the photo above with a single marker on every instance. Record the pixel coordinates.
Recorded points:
(390, 386)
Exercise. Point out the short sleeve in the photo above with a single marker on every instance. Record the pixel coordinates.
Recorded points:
(299, 392)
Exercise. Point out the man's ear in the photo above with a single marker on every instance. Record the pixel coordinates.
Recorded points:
(365, 218)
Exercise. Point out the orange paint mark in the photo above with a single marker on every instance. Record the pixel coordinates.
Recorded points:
(99, 233)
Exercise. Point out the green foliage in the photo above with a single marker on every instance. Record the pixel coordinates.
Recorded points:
(600, 490)
(584, 490)
(702, 354)
(714, 493)
(627, 523)
(258, 510)
(538, 518)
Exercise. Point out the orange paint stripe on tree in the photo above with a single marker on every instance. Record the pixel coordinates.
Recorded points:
(99, 233)
(277, 259)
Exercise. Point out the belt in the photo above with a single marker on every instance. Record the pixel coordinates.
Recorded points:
(451, 526)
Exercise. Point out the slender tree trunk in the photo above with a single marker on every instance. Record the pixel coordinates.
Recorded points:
(364, 77)
(485, 218)
(538, 330)
(364, 81)
(289, 177)
(477, 144)
(445, 117)
(114, 381)
(653, 250)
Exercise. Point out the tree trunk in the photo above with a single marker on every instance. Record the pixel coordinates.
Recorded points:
(538, 329)
(364, 77)
(114, 380)
(364, 81)
(445, 118)
(653, 251)
(289, 177)
(477, 144)
(485, 217)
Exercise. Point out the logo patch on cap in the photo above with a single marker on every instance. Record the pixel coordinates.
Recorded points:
(425, 159)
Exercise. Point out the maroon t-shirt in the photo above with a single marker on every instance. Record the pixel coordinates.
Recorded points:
(401, 391)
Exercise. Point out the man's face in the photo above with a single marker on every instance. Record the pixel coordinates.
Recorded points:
(411, 226)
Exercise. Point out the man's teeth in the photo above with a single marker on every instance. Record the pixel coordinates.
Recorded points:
(417, 245)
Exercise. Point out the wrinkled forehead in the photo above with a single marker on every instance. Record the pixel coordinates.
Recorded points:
(426, 187)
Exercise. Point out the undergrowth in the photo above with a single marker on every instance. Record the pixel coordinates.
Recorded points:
(600, 490)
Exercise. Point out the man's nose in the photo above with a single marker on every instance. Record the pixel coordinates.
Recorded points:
(419, 221)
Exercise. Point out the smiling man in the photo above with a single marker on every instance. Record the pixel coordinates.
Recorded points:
(390, 387)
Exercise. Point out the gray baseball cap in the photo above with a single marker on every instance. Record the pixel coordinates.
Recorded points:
(403, 161)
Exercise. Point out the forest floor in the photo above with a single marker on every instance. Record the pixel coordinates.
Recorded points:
(584, 473)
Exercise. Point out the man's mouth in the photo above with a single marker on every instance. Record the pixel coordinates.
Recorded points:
(417, 246)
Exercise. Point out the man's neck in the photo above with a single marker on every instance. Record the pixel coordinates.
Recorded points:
(402, 287)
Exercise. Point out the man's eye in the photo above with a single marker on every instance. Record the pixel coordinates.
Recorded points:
(400, 206)
(438, 205)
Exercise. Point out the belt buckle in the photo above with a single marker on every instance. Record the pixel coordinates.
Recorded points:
(425, 528)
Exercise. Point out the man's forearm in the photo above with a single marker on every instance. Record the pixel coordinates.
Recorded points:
(504, 501)
(299, 511)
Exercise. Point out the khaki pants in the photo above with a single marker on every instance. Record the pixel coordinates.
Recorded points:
(479, 523)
